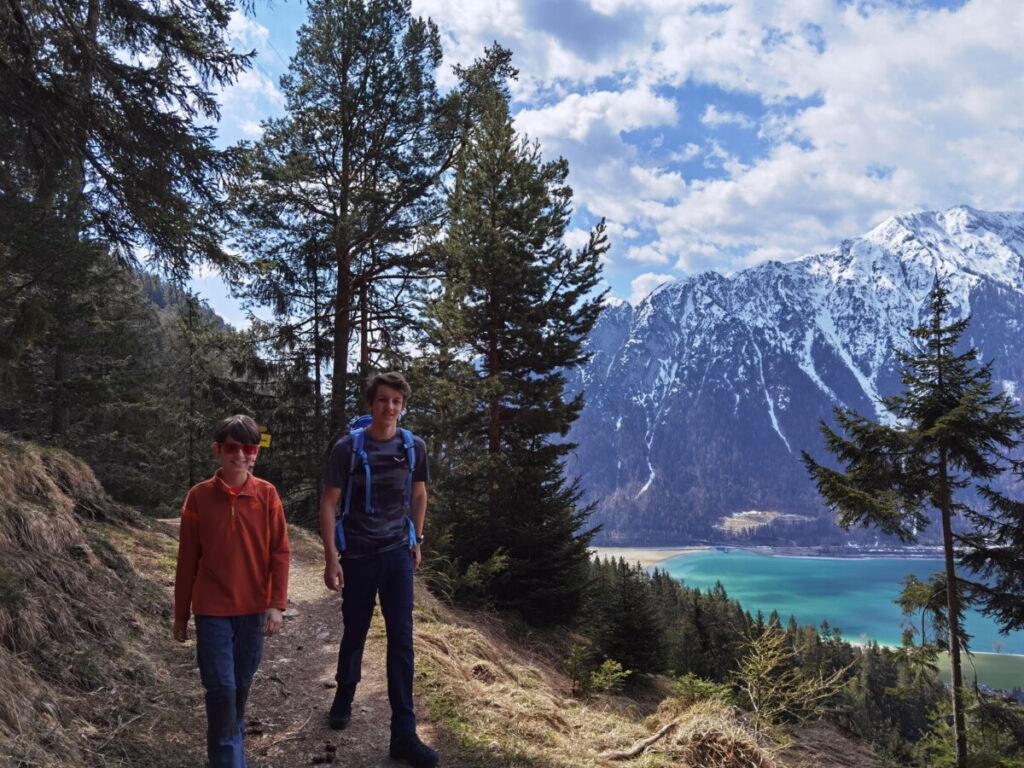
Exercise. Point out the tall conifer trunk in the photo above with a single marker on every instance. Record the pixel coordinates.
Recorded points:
(60, 416)
(364, 333)
(59, 413)
(318, 393)
(342, 334)
(952, 592)
(493, 414)
(953, 608)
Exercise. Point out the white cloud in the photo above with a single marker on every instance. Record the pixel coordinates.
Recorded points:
(252, 129)
(862, 110)
(693, 256)
(247, 32)
(769, 253)
(253, 94)
(617, 232)
(943, 127)
(576, 238)
(646, 254)
(643, 285)
(713, 116)
(577, 116)
(658, 184)
(256, 82)
(686, 154)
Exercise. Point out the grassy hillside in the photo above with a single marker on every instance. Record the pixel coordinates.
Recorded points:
(91, 677)
(79, 624)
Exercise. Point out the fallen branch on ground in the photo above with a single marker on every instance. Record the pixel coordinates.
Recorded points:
(640, 746)
(294, 734)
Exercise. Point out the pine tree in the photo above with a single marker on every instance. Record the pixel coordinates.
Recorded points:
(951, 431)
(152, 370)
(105, 151)
(103, 104)
(512, 314)
(343, 189)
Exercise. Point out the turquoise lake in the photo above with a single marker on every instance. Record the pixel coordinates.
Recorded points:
(854, 595)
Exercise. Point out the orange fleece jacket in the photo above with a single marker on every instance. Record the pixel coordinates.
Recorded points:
(233, 552)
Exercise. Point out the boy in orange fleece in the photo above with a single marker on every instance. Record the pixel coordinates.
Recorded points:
(232, 574)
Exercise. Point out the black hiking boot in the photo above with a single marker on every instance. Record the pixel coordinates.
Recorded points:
(408, 747)
(341, 709)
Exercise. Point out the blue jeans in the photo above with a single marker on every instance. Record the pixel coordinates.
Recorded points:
(388, 574)
(228, 649)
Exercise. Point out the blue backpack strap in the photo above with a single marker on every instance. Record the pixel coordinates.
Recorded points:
(357, 453)
(339, 534)
(410, 451)
(339, 525)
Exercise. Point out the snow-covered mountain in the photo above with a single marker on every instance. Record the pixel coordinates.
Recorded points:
(700, 399)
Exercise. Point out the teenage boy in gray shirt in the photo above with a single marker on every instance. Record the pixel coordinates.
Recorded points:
(378, 557)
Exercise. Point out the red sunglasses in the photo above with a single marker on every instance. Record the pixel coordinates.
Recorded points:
(230, 449)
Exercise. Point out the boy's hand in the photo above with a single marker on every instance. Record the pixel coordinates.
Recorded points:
(417, 556)
(181, 630)
(272, 622)
(334, 577)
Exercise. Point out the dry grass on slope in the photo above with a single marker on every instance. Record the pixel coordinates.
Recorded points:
(75, 617)
(507, 706)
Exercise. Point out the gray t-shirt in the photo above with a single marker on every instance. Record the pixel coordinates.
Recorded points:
(386, 528)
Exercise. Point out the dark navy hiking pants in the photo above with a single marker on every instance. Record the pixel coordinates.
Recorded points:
(388, 574)
(228, 649)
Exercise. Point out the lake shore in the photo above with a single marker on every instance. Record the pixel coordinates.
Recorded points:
(648, 556)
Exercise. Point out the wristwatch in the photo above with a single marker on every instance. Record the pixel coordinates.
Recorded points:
(419, 539)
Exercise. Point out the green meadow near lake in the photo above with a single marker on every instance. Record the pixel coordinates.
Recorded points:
(855, 595)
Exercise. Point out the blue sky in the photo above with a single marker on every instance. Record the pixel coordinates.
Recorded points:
(715, 135)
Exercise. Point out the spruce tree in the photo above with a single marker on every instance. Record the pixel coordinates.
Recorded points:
(951, 431)
(628, 627)
(994, 550)
(514, 308)
(343, 188)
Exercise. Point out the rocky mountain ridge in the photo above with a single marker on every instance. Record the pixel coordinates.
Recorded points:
(700, 399)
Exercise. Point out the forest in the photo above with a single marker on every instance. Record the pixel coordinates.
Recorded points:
(381, 224)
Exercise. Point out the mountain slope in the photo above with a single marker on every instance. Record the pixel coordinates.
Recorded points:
(700, 399)
(92, 677)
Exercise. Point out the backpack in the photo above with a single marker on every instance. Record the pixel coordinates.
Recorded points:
(357, 430)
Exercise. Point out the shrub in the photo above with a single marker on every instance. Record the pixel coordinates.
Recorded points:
(610, 677)
(690, 689)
